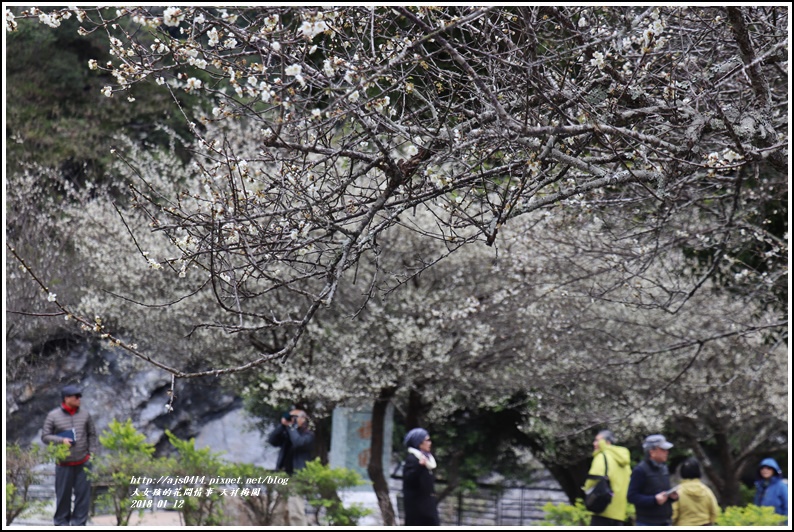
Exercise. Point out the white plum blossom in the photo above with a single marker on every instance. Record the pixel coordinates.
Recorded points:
(198, 62)
(52, 296)
(92, 64)
(50, 20)
(107, 90)
(293, 70)
(213, 37)
(173, 16)
(730, 156)
(270, 23)
(159, 47)
(193, 84)
(328, 68)
(598, 60)
(309, 30)
(11, 23)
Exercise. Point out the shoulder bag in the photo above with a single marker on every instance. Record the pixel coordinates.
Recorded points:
(597, 498)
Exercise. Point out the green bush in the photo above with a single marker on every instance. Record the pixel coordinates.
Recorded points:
(576, 515)
(207, 509)
(20, 475)
(566, 514)
(750, 515)
(261, 508)
(320, 484)
(127, 455)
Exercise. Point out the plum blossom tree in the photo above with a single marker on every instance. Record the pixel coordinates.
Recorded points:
(626, 342)
(396, 329)
(627, 165)
(362, 114)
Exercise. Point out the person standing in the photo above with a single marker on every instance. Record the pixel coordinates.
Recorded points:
(616, 461)
(419, 497)
(650, 482)
(696, 504)
(71, 425)
(296, 442)
(770, 490)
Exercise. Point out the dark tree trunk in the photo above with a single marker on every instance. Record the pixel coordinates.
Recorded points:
(413, 414)
(571, 478)
(375, 467)
(452, 469)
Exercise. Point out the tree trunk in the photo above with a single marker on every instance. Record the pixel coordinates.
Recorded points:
(375, 467)
(452, 468)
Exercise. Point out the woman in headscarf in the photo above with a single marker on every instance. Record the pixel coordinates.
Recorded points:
(418, 483)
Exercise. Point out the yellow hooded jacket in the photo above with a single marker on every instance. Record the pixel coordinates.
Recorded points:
(619, 472)
(696, 504)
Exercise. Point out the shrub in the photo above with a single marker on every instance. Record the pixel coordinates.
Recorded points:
(128, 455)
(566, 514)
(261, 508)
(320, 484)
(576, 515)
(20, 474)
(206, 509)
(750, 515)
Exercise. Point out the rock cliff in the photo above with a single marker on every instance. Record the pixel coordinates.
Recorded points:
(117, 387)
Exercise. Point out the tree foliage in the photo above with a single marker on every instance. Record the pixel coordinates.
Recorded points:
(481, 114)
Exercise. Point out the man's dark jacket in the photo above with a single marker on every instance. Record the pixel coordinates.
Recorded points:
(296, 447)
(648, 479)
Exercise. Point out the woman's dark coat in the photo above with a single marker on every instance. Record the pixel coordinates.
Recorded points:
(419, 494)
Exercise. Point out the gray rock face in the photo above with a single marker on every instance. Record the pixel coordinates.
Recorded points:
(117, 387)
(233, 435)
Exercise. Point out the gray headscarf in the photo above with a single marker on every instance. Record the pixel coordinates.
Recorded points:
(415, 437)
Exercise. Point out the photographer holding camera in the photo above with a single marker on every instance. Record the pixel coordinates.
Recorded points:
(296, 441)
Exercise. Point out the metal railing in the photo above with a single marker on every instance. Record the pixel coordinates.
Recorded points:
(493, 505)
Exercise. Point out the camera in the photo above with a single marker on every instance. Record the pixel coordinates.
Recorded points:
(289, 419)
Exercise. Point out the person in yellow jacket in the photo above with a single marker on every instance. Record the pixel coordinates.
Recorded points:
(696, 504)
(618, 468)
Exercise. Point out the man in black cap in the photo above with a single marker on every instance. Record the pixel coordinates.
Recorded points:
(70, 425)
(649, 487)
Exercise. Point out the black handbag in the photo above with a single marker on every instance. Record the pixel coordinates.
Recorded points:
(597, 498)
